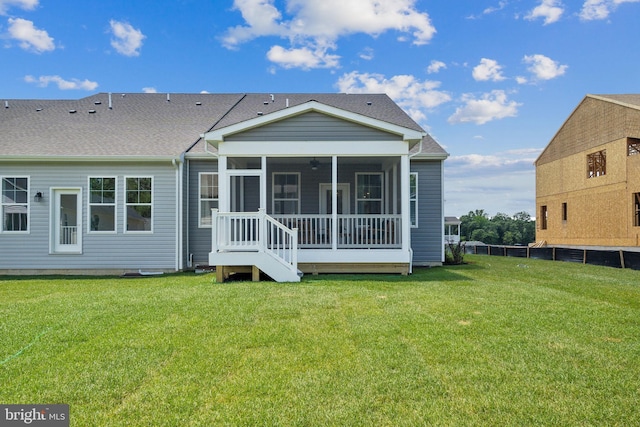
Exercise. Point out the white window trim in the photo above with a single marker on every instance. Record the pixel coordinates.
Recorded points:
(114, 204)
(2, 205)
(382, 195)
(416, 199)
(273, 190)
(200, 199)
(126, 205)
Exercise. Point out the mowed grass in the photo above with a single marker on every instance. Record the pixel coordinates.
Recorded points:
(499, 341)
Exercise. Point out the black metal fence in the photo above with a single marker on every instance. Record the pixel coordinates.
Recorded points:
(608, 258)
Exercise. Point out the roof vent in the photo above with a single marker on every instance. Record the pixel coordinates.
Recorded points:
(92, 111)
(260, 113)
(198, 103)
(273, 98)
(266, 102)
(168, 98)
(6, 104)
(72, 111)
(98, 102)
(368, 102)
(38, 109)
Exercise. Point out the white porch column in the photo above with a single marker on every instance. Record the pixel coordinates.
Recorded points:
(223, 185)
(334, 202)
(406, 204)
(263, 184)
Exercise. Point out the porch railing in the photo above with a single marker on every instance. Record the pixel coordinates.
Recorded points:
(254, 232)
(354, 231)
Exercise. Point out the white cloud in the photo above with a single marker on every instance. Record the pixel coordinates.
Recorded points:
(413, 95)
(488, 69)
(22, 4)
(544, 68)
(29, 37)
(149, 89)
(43, 81)
(521, 80)
(600, 9)
(491, 9)
(127, 40)
(304, 57)
(436, 66)
(550, 10)
(366, 54)
(310, 25)
(491, 106)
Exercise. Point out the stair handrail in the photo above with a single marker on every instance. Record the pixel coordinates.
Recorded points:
(279, 241)
(269, 236)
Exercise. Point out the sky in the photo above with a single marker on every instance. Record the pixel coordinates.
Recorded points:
(491, 80)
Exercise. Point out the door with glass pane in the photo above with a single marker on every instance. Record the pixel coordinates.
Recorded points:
(67, 221)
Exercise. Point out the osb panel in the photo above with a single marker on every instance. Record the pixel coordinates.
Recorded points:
(633, 173)
(570, 173)
(593, 123)
(600, 216)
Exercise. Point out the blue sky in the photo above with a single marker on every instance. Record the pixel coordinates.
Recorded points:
(491, 80)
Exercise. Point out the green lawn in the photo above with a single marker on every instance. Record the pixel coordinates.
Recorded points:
(499, 341)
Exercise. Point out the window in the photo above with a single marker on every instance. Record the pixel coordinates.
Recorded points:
(564, 211)
(597, 164)
(286, 193)
(15, 204)
(369, 193)
(138, 204)
(633, 146)
(543, 217)
(413, 198)
(102, 204)
(636, 209)
(208, 197)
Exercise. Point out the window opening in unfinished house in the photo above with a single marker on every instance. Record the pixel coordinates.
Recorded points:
(597, 164)
(543, 217)
(636, 204)
(633, 146)
(564, 211)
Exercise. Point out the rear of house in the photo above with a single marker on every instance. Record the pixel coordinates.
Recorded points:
(153, 182)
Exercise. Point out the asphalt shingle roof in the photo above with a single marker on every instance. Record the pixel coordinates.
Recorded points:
(157, 125)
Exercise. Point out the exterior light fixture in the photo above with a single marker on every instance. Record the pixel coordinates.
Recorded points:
(314, 164)
(38, 197)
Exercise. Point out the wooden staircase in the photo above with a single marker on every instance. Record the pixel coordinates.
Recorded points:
(254, 239)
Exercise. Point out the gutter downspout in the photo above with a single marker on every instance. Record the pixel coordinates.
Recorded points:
(178, 165)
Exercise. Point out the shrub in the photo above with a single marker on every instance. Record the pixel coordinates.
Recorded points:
(454, 253)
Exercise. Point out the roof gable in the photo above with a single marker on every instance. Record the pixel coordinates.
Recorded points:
(218, 135)
(596, 120)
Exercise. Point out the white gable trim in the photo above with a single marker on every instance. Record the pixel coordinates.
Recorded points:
(218, 135)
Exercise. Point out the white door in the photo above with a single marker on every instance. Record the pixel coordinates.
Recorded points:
(67, 221)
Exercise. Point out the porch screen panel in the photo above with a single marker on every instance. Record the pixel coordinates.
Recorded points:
(286, 193)
(15, 204)
(369, 193)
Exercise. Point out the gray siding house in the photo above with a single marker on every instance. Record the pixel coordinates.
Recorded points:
(283, 183)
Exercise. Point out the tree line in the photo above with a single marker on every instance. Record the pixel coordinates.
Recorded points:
(500, 229)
